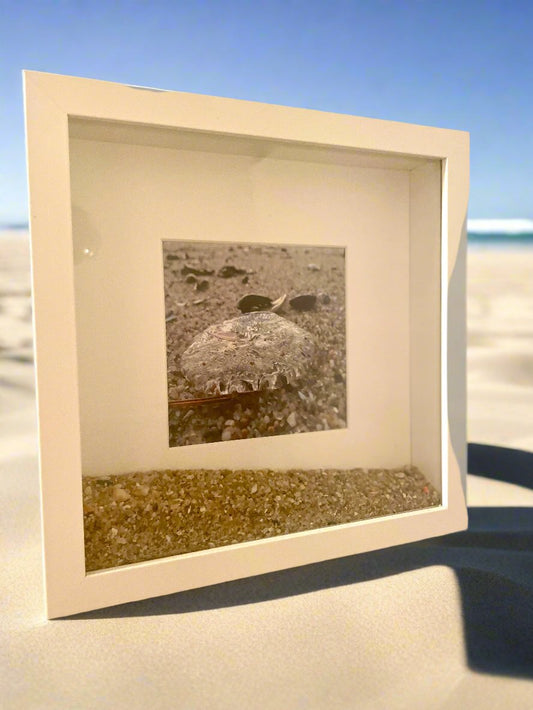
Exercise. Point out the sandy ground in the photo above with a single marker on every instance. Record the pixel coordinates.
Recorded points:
(17, 394)
(455, 611)
(500, 347)
(15, 301)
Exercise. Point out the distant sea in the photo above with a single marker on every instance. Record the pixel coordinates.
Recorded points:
(500, 240)
(507, 233)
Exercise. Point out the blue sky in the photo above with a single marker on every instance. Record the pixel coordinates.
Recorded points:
(465, 64)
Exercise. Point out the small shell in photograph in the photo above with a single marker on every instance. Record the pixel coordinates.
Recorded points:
(253, 302)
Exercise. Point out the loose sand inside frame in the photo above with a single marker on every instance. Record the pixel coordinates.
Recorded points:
(143, 516)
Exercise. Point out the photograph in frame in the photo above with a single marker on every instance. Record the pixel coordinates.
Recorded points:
(242, 364)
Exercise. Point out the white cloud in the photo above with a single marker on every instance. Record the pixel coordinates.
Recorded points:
(506, 226)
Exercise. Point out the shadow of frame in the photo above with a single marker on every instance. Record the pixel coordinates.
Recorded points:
(493, 561)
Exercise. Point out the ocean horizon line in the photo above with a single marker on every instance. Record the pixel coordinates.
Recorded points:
(475, 225)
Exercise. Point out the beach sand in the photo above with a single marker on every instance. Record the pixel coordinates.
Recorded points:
(443, 623)
(15, 303)
(17, 391)
(500, 347)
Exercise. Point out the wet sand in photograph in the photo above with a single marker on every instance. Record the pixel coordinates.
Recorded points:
(256, 342)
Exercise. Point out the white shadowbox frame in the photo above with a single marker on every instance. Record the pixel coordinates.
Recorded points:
(115, 170)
